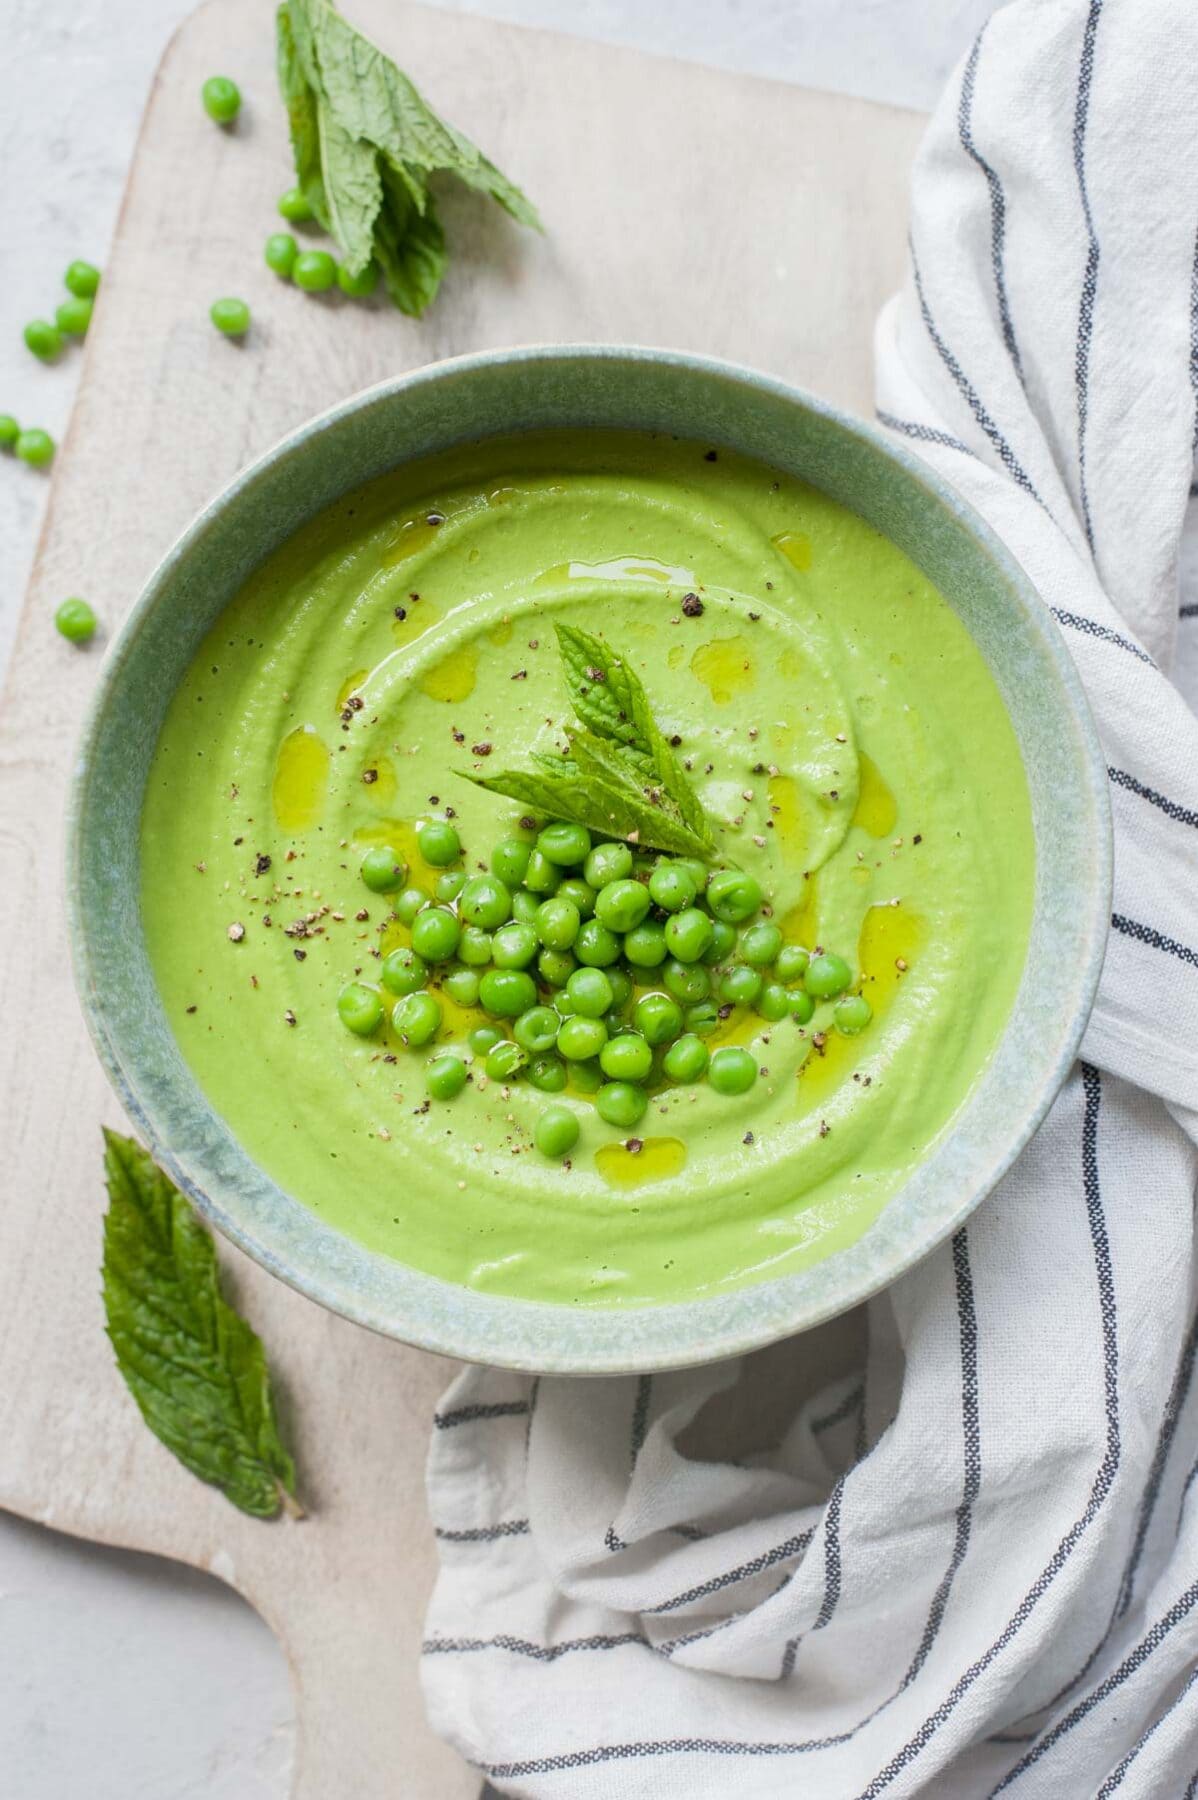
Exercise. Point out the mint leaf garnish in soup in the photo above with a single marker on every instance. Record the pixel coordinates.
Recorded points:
(196, 1369)
(365, 144)
(620, 776)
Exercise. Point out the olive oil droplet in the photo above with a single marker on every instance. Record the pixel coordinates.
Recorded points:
(300, 779)
(452, 679)
(657, 1160)
(725, 667)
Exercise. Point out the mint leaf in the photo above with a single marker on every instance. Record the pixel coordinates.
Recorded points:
(409, 246)
(365, 143)
(297, 84)
(353, 187)
(611, 702)
(195, 1368)
(637, 807)
(607, 800)
(619, 775)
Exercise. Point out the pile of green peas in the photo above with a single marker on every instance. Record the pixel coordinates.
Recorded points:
(553, 942)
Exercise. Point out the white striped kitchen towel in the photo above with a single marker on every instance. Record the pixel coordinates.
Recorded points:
(971, 1565)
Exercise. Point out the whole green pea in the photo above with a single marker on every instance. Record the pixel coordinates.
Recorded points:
(435, 934)
(802, 1006)
(73, 316)
(445, 1076)
(406, 905)
(732, 1070)
(10, 431)
(760, 944)
(548, 1073)
(827, 976)
(688, 933)
(733, 896)
(475, 947)
(579, 893)
(542, 876)
(621, 1104)
(607, 863)
(279, 253)
(723, 943)
(536, 1030)
(556, 1132)
(740, 985)
(75, 621)
(626, 1058)
(672, 886)
(82, 279)
(449, 884)
(505, 1060)
(293, 205)
(44, 339)
(773, 1002)
(645, 945)
(314, 271)
(586, 1077)
(702, 1018)
(564, 845)
(403, 972)
(790, 964)
(417, 1018)
(579, 1038)
(462, 986)
(221, 98)
(698, 871)
(555, 967)
(658, 1018)
(485, 901)
(35, 447)
(437, 840)
(361, 285)
(383, 871)
(621, 905)
(852, 1014)
(687, 982)
(230, 316)
(483, 1038)
(525, 906)
(686, 1059)
(621, 988)
(590, 992)
(557, 923)
(360, 1008)
(506, 993)
(514, 946)
(509, 860)
(595, 945)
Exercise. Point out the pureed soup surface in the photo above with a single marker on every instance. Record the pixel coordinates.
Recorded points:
(839, 726)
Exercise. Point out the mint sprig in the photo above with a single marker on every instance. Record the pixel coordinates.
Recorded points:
(620, 776)
(195, 1368)
(365, 144)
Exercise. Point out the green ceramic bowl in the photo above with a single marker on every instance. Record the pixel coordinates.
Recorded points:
(649, 390)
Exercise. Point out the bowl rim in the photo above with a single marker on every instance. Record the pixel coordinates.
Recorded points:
(480, 1324)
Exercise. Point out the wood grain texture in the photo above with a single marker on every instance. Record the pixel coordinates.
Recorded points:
(683, 207)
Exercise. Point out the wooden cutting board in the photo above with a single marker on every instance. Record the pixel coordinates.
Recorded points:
(683, 207)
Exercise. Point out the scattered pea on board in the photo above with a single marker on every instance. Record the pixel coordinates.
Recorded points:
(230, 316)
(221, 99)
(75, 621)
